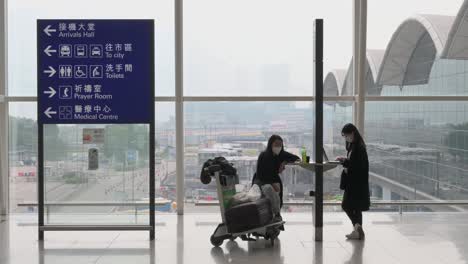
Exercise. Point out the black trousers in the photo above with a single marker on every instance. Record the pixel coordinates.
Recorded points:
(355, 216)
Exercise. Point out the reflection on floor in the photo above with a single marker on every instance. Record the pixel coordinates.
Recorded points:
(391, 238)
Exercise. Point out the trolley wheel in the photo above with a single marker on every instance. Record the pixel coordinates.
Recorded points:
(216, 241)
(272, 241)
(275, 234)
(205, 178)
(272, 235)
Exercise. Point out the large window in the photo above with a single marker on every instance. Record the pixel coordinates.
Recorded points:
(416, 148)
(165, 153)
(64, 182)
(22, 154)
(66, 159)
(237, 49)
(111, 168)
(423, 145)
(259, 48)
(229, 129)
(384, 17)
(22, 16)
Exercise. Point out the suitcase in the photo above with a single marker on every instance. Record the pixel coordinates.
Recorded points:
(249, 215)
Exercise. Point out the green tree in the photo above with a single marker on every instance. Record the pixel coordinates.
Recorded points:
(54, 146)
(120, 138)
(23, 135)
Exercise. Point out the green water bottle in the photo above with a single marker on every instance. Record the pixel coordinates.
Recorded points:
(304, 155)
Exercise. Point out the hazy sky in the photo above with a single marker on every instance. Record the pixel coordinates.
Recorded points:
(231, 47)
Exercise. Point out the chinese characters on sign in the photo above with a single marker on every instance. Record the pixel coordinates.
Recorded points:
(95, 71)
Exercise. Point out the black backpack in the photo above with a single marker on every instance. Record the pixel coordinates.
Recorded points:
(226, 168)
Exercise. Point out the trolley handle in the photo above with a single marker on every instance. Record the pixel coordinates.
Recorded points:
(212, 169)
(209, 172)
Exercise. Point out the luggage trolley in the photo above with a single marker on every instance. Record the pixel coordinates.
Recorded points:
(225, 185)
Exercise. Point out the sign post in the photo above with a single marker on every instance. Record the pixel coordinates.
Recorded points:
(318, 78)
(95, 72)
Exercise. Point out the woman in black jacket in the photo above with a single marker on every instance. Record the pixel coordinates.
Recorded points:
(270, 164)
(355, 179)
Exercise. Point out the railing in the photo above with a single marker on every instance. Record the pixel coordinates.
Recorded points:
(75, 204)
(399, 203)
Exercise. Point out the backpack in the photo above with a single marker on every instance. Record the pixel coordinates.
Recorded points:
(226, 168)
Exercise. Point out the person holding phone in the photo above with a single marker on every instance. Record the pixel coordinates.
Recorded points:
(355, 180)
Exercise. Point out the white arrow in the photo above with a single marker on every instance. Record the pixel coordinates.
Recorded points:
(51, 92)
(47, 30)
(51, 71)
(49, 51)
(48, 112)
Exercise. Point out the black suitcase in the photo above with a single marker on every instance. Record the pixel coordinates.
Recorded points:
(247, 216)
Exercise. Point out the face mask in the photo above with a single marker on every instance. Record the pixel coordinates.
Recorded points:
(276, 150)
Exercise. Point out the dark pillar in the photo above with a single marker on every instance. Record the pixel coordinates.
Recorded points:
(318, 78)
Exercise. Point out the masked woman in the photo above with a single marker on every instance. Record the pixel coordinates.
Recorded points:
(270, 164)
(355, 180)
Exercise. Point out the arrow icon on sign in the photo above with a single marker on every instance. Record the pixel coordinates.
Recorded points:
(49, 51)
(51, 92)
(51, 71)
(48, 112)
(47, 30)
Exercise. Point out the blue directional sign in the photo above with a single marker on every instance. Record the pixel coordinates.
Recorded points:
(95, 71)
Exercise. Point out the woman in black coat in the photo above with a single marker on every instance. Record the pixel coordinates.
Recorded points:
(355, 179)
(270, 164)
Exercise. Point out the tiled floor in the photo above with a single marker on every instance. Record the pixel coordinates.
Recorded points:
(391, 238)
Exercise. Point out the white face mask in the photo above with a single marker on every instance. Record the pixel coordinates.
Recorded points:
(348, 139)
(276, 150)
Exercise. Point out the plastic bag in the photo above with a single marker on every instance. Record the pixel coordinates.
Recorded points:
(254, 193)
(239, 198)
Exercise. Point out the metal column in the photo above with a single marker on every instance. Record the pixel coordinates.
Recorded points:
(152, 150)
(179, 105)
(40, 163)
(355, 57)
(4, 186)
(359, 61)
(318, 78)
